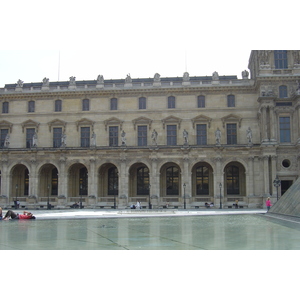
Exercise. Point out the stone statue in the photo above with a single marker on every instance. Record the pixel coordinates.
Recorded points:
(100, 79)
(249, 135)
(218, 136)
(245, 74)
(72, 80)
(264, 57)
(215, 76)
(186, 76)
(46, 81)
(6, 141)
(298, 88)
(156, 77)
(128, 79)
(154, 137)
(35, 140)
(20, 83)
(63, 140)
(123, 138)
(93, 140)
(296, 56)
(185, 137)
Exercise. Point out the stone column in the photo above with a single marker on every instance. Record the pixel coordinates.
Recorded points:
(273, 125)
(274, 173)
(33, 180)
(250, 177)
(266, 175)
(186, 179)
(92, 186)
(264, 127)
(155, 183)
(5, 180)
(123, 184)
(218, 178)
(62, 179)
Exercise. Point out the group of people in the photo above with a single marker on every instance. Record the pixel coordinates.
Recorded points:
(137, 206)
(208, 205)
(11, 215)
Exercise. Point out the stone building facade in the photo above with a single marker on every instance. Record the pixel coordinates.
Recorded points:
(163, 141)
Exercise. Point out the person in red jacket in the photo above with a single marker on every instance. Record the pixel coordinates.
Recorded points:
(268, 203)
(26, 215)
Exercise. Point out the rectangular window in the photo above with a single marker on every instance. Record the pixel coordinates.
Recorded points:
(171, 102)
(201, 134)
(5, 107)
(280, 58)
(142, 135)
(201, 101)
(285, 129)
(231, 134)
(113, 136)
(85, 137)
(3, 134)
(85, 104)
(58, 106)
(31, 106)
(114, 104)
(142, 103)
(57, 133)
(231, 101)
(29, 136)
(171, 135)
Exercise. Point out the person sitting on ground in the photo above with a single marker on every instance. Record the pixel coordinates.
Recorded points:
(25, 216)
(211, 204)
(132, 206)
(75, 205)
(207, 205)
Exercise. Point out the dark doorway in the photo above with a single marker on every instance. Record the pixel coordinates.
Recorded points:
(285, 184)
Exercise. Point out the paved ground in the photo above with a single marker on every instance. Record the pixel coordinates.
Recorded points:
(111, 213)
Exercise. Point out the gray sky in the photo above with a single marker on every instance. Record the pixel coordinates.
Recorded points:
(114, 38)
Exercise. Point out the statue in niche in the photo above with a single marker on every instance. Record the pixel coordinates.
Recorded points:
(186, 76)
(128, 79)
(154, 137)
(215, 76)
(245, 74)
(20, 83)
(72, 80)
(296, 55)
(185, 137)
(264, 57)
(156, 77)
(34, 140)
(46, 81)
(93, 140)
(249, 135)
(218, 136)
(100, 79)
(63, 140)
(123, 138)
(6, 141)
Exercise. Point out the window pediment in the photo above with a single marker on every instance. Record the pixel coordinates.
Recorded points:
(231, 118)
(84, 122)
(5, 124)
(57, 123)
(30, 123)
(142, 120)
(201, 119)
(171, 119)
(113, 121)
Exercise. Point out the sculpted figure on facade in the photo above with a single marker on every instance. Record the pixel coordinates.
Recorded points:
(156, 77)
(34, 140)
(7, 141)
(218, 136)
(264, 57)
(245, 74)
(20, 83)
(186, 76)
(298, 88)
(128, 79)
(123, 138)
(63, 140)
(72, 80)
(46, 81)
(100, 79)
(215, 76)
(249, 135)
(93, 140)
(296, 56)
(185, 137)
(154, 137)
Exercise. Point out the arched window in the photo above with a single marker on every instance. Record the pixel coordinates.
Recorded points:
(202, 181)
(233, 180)
(142, 184)
(172, 181)
(26, 183)
(113, 184)
(85, 104)
(283, 91)
(58, 105)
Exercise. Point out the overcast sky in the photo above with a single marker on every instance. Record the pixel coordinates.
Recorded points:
(59, 39)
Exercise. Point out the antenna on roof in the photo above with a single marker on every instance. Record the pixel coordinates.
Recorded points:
(185, 61)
